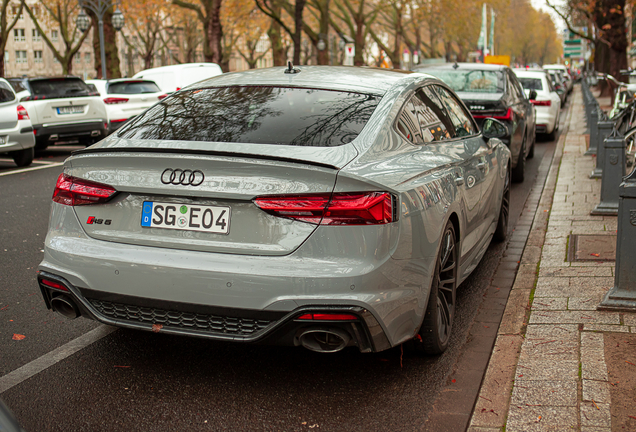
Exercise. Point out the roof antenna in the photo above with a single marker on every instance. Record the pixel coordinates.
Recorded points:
(455, 66)
(291, 69)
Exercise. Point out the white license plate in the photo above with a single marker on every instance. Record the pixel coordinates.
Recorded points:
(70, 109)
(186, 217)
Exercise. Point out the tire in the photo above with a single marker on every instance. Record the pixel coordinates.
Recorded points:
(41, 144)
(518, 172)
(435, 332)
(501, 232)
(534, 141)
(24, 157)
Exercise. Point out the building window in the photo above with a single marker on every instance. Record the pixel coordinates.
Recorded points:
(37, 37)
(15, 9)
(87, 57)
(19, 35)
(37, 56)
(6, 57)
(54, 35)
(77, 58)
(36, 10)
(55, 60)
(20, 56)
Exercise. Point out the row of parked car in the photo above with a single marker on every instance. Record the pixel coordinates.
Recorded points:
(38, 112)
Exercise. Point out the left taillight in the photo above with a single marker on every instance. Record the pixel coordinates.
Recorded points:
(22, 113)
(366, 208)
(73, 191)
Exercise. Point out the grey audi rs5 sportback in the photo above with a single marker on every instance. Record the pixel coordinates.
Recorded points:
(317, 206)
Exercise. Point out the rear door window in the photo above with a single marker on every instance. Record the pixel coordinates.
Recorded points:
(6, 93)
(531, 83)
(461, 123)
(422, 119)
(258, 115)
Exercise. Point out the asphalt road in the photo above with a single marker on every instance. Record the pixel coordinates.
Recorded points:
(137, 381)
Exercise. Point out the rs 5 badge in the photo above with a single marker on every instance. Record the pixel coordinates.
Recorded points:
(93, 220)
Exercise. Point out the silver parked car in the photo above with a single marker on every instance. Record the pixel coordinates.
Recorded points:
(323, 206)
(16, 132)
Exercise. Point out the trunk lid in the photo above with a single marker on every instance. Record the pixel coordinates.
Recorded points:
(227, 182)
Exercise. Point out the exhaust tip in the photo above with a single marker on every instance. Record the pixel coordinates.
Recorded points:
(65, 306)
(323, 340)
(95, 133)
(53, 138)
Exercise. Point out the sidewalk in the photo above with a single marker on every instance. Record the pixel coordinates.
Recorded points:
(548, 369)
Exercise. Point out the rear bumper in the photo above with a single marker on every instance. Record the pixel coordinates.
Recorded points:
(18, 138)
(325, 272)
(223, 324)
(94, 130)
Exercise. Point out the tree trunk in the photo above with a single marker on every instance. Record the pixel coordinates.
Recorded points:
(276, 39)
(110, 46)
(213, 31)
(358, 59)
(298, 29)
(323, 56)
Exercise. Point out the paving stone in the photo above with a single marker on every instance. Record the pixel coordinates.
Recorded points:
(570, 317)
(592, 340)
(497, 385)
(550, 303)
(597, 391)
(584, 303)
(551, 393)
(606, 328)
(595, 414)
(544, 418)
(593, 365)
(595, 429)
(569, 272)
(629, 319)
(514, 315)
(547, 369)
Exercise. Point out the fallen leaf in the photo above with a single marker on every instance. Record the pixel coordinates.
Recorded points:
(595, 254)
(18, 336)
(632, 417)
(156, 328)
(630, 363)
(453, 380)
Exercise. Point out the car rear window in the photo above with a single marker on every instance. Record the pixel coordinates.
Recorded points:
(474, 81)
(17, 85)
(133, 87)
(258, 115)
(6, 94)
(59, 88)
(531, 83)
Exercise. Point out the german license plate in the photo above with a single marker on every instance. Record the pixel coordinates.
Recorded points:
(76, 109)
(186, 217)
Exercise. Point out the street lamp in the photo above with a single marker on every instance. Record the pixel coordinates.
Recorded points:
(99, 8)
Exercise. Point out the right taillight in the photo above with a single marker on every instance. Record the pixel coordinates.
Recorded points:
(541, 103)
(73, 191)
(22, 113)
(364, 208)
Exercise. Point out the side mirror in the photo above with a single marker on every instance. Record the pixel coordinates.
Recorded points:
(494, 129)
(533, 94)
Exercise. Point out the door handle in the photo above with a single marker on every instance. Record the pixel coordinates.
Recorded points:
(459, 181)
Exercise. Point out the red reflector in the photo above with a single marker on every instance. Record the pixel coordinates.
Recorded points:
(328, 317)
(22, 113)
(115, 100)
(162, 96)
(541, 103)
(178, 88)
(118, 120)
(74, 191)
(366, 208)
(52, 284)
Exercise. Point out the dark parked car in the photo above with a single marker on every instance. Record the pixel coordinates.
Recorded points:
(494, 91)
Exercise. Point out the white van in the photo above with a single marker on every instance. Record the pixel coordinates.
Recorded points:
(175, 77)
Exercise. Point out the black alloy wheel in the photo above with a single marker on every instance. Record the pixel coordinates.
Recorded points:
(534, 141)
(23, 157)
(436, 328)
(501, 232)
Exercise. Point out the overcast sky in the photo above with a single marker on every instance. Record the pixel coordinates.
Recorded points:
(540, 4)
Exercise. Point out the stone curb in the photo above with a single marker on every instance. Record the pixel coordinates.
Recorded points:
(491, 408)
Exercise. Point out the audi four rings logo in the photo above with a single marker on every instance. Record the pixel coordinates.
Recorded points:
(182, 177)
